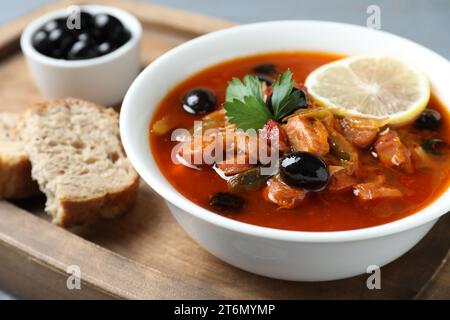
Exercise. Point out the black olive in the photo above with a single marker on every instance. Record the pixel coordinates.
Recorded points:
(226, 202)
(107, 27)
(429, 119)
(82, 50)
(436, 146)
(104, 48)
(265, 78)
(60, 40)
(302, 105)
(41, 42)
(53, 24)
(199, 101)
(265, 68)
(304, 170)
(86, 37)
(86, 21)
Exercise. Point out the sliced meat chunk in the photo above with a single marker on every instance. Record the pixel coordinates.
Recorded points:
(235, 165)
(392, 152)
(198, 150)
(308, 135)
(376, 189)
(341, 179)
(283, 195)
(359, 131)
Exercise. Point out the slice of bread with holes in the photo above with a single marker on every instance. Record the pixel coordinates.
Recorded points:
(15, 168)
(78, 161)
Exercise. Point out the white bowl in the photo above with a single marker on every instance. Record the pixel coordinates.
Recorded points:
(289, 255)
(103, 79)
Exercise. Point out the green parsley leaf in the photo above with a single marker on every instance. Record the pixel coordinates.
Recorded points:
(248, 113)
(288, 105)
(284, 99)
(238, 90)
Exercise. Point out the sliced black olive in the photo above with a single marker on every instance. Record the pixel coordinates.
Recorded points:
(82, 50)
(226, 202)
(249, 180)
(199, 101)
(429, 119)
(436, 146)
(304, 170)
(266, 68)
(265, 78)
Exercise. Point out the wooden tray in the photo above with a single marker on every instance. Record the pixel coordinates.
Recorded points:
(145, 254)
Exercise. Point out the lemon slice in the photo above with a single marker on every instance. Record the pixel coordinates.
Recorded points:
(370, 86)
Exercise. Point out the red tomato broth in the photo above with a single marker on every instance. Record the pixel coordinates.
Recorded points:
(319, 211)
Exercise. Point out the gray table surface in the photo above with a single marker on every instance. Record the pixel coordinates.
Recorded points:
(424, 21)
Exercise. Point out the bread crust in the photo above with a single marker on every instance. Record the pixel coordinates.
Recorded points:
(85, 210)
(15, 167)
(15, 177)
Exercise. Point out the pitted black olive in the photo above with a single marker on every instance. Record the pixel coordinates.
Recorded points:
(104, 48)
(199, 101)
(41, 42)
(53, 24)
(60, 41)
(266, 68)
(91, 36)
(107, 27)
(304, 170)
(429, 119)
(226, 202)
(81, 50)
(436, 146)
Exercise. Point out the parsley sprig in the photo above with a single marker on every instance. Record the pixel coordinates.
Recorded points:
(245, 104)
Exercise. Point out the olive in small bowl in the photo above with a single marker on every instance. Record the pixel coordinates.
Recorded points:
(78, 62)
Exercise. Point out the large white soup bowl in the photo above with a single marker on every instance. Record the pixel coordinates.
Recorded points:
(290, 255)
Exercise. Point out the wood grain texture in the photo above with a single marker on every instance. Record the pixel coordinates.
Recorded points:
(145, 254)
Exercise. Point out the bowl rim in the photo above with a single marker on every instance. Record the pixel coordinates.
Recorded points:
(127, 19)
(165, 189)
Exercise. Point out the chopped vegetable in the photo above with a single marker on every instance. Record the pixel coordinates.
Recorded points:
(249, 180)
(163, 126)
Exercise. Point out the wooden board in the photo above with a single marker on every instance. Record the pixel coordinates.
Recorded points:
(145, 254)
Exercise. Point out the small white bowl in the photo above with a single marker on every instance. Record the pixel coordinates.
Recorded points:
(282, 254)
(103, 79)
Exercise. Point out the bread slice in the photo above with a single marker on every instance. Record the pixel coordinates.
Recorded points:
(15, 168)
(78, 160)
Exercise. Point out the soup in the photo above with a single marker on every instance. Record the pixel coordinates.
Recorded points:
(359, 172)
